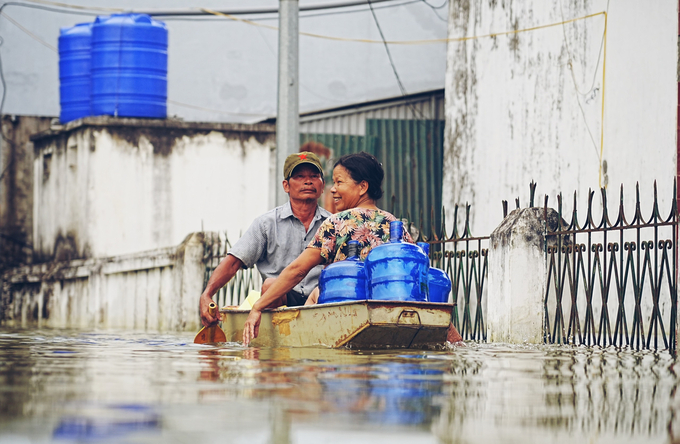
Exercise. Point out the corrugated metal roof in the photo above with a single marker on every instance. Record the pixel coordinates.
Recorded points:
(406, 134)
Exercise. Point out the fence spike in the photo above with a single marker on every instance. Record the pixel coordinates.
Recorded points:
(559, 212)
(589, 214)
(532, 192)
(622, 215)
(605, 223)
(505, 209)
(574, 216)
(466, 231)
(454, 235)
(443, 232)
(638, 211)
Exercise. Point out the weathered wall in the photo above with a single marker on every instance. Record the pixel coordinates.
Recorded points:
(529, 106)
(107, 186)
(16, 187)
(151, 290)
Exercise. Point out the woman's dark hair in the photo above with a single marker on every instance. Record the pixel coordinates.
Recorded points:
(363, 166)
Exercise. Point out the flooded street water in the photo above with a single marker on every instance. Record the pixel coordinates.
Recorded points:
(120, 387)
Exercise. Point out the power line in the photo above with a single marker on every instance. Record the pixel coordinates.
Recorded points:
(302, 16)
(200, 11)
(394, 68)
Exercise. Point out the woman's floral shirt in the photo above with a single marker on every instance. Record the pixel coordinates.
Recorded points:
(370, 227)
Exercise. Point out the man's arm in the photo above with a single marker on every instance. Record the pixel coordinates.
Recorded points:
(288, 279)
(222, 274)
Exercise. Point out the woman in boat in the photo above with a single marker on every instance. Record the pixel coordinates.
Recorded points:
(357, 185)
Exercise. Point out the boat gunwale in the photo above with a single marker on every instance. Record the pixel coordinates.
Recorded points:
(367, 302)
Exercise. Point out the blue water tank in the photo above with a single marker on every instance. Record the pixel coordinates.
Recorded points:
(438, 282)
(129, 66)
(397, 270)
(440, 285)
(344, 280)
(74, 72)
(426, 249)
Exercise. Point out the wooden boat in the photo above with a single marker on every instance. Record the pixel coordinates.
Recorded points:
(354, 324)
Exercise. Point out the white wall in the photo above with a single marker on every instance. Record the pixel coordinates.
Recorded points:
(119, 190)
(151, 290)
(528, 106)
(222, 70)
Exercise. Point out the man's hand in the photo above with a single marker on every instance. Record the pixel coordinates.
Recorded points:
(206, 318)
(252, 326)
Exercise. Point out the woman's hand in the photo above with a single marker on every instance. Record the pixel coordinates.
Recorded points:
(252, 326)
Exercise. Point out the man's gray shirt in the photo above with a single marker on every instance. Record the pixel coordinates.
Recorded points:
(276, 239)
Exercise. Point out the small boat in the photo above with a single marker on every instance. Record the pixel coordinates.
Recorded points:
(368, 324)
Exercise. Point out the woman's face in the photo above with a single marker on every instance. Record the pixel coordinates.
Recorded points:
(346, 192)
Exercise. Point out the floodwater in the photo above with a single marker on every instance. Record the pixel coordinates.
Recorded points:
(59, 386)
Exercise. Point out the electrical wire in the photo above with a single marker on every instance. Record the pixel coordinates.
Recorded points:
(394, 68)
(435, 9)
(302, 14)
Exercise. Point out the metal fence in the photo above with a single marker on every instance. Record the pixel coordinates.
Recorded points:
(609, 283)
(612, 283)
(464, 257)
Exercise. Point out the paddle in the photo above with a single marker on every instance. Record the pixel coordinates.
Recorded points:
(211, 334)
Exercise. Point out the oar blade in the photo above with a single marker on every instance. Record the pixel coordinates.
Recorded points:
(212, 333)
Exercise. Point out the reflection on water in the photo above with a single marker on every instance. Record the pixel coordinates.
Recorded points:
(63, 386)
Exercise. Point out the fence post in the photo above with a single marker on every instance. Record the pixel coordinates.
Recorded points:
(189, 276)
(517, 278)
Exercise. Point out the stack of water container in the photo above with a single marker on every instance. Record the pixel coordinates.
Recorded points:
(116, 66)
(395, 270)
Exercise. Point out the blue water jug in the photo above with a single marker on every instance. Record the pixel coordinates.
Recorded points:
(344, 280)
(438, 282)
(397, 270)
(129, 66)
(74, 72)
(440, 285)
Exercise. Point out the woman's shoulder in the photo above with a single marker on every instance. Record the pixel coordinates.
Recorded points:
(362, 215)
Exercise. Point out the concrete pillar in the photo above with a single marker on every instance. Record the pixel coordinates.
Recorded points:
(518, 277)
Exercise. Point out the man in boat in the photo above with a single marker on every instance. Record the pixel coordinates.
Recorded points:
(357, 186)
(276, 238)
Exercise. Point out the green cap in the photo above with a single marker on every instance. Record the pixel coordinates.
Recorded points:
(298, 159)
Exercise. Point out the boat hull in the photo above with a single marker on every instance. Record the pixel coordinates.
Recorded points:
(365, 324)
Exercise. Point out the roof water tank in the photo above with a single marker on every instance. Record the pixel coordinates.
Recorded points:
(129, 66)
(74, 72)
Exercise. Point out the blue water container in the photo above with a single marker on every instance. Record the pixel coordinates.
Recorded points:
(397, 270)
(129, 66)
(438, 282)
(74, 72)
(426, 249)
(440, 285)
(344, 280)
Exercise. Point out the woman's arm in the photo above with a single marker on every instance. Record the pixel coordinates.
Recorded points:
(288, 279)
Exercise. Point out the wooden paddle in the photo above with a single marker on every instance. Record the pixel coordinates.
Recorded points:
(211, 334)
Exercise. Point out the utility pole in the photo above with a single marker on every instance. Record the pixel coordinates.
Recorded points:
(288, 108)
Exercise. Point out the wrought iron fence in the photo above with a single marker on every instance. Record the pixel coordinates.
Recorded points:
(465, 259)
(609, 283)
(612, 283)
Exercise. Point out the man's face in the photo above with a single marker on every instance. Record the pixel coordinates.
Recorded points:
(305, 183)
